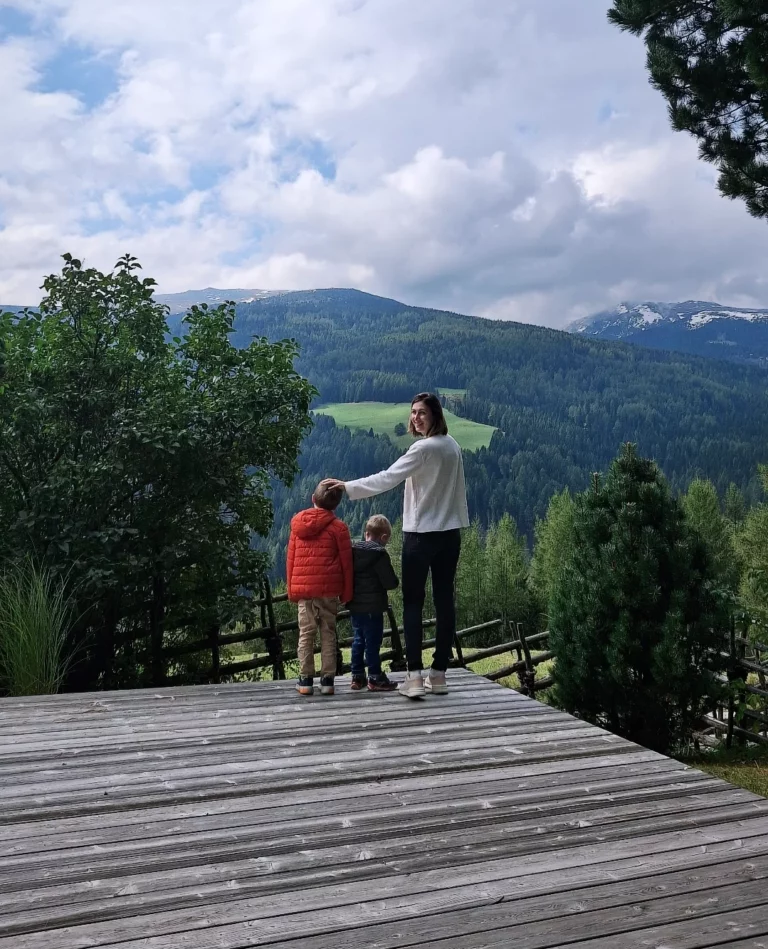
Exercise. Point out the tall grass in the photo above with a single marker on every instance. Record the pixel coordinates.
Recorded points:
(36, 614)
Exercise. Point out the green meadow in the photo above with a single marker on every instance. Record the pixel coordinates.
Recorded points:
(383, 416)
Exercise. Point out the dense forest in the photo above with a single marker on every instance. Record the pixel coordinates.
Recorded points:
(562, 404)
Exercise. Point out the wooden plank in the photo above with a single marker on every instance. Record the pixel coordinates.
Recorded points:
(723, 929)
(440, 848)
(627, 924)
(394, 897)
(531, 923)
(96, 705)
(278, 836)
(261, 691)
(210, 793)
(382, 809)
(597, 864)
(306, 770)
(536, 923)
(595, 776)
(280, 715)
(241, 747)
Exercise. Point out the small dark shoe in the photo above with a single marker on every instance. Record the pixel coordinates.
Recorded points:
(381, 684)
(326, 685)
(358, 682)
(304, 686)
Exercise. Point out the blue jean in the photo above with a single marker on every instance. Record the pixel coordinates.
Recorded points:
(366, 646)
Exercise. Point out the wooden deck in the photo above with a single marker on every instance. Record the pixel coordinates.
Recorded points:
(219, 817)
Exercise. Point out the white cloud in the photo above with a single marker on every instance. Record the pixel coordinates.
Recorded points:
(508, 159)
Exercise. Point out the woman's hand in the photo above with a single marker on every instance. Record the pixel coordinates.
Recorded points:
(333, 483)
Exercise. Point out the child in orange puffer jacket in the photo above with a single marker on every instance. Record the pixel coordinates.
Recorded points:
(320, 573)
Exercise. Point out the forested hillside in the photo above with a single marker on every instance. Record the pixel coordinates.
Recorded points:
(562, 403)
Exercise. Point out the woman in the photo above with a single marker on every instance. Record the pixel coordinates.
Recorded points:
(434, 510)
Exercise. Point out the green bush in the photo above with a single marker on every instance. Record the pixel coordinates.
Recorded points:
(36, 614)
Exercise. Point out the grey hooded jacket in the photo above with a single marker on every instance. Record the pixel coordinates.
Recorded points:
(374, 575)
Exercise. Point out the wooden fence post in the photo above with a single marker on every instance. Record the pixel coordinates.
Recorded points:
(156, 623)
(397, 663)
(275, 640)
(527, 678)
(457, 647)
(213, 638)
(731, 676)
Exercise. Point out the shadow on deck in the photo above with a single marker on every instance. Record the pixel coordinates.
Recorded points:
(244, 815)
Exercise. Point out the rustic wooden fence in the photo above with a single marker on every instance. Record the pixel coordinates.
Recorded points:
(744, 717)
(271, 654)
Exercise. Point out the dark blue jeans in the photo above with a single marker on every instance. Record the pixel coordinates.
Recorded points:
(366, 646)
(437, 553)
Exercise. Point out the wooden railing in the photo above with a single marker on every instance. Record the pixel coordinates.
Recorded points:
(743, 717)
(526, 653)
(745, 659)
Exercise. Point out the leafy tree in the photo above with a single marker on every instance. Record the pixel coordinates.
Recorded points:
(633, 616)
(752, 542)
(139, 466)
(400, 429)
(708, 59)
(702, 512)
(553, 545)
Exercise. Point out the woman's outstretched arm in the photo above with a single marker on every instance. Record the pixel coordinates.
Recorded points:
(383, 481)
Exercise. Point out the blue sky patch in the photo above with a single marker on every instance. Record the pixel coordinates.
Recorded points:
(299, 155)
(14, 23)
(78, 71)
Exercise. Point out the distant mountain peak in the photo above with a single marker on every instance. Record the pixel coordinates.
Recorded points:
(213, 296)
(693, 326)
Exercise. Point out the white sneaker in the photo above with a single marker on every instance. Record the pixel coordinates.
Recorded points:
(412, 686)
(435, 683)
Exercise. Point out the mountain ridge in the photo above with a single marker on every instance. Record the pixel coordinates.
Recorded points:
(696, 327)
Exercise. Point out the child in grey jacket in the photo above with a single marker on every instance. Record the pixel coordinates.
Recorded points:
(373, 576)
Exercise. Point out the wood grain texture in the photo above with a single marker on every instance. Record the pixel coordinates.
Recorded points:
(220, 817)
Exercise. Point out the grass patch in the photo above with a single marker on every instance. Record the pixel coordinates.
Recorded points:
(459, 393)
(383, 416)
(745, 767)
(35, 617)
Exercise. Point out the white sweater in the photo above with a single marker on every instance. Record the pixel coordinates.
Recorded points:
(435, 494)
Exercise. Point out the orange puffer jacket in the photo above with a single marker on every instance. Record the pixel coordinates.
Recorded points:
(319, 556)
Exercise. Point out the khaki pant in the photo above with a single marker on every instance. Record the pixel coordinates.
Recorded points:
(317, 614)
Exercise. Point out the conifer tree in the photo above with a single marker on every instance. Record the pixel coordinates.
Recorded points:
(553, 543)
(508, 592)
(752, 543)
(471, 583)
(734, 505)
(633, 615)
(708, 59)
(702, 512)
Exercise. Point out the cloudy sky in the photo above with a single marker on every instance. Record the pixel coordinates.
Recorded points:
(502, 158)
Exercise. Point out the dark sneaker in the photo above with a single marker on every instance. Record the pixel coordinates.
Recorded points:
(304, 686)
(381, 684)
(326, 685)
(358, 682)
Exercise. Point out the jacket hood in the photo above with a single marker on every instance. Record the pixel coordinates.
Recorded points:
(311, 522)
(367, 551)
